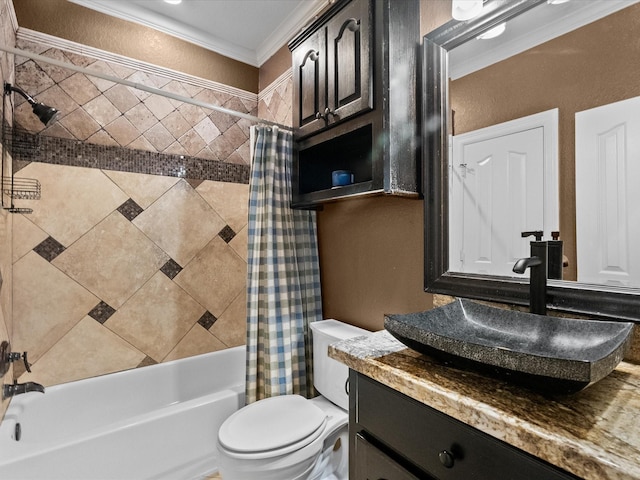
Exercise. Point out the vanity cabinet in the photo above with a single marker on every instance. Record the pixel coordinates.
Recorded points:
(389, 429)
(354, 101)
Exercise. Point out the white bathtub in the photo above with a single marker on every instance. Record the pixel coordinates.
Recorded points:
(157, 422)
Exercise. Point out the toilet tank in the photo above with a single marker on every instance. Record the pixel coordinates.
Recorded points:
(330, 376)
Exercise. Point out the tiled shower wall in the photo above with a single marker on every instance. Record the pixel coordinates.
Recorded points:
(135, 252)
(7, 34)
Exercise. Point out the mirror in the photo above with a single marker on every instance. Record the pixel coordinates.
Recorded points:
(447, 85)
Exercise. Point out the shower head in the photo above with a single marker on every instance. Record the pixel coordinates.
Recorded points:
(45, 113)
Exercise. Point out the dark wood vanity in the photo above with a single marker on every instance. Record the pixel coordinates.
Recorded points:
(391, 432)
(414, 417)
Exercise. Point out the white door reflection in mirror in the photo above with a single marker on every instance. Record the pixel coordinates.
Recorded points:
(608, 194)
(503, 181)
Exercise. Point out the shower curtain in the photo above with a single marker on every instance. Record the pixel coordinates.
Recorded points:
(283, 284)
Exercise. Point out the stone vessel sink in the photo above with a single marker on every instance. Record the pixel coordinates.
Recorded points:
(551, 354)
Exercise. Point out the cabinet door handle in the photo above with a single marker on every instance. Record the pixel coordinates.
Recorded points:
(324, 115)
(353, 25)
(446, 458)
(312, 55)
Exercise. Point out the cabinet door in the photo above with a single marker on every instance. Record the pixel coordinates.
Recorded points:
(309, 76)
(372, 464)
(349, 69)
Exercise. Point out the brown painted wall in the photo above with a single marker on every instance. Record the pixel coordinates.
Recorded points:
(371, 259)
(371, 249)
(274, 67)
(82, 25)
(561, 74)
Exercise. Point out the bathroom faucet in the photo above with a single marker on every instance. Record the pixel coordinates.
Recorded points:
(537, 263)
(10, 390)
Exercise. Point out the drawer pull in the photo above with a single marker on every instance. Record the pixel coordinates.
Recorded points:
(446, 458)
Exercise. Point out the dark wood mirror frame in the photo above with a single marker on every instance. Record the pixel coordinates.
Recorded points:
(579, 298)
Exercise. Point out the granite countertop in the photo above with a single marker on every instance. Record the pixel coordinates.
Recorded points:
(594, 434)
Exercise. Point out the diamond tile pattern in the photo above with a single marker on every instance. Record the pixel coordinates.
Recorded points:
(171, 269)
(180, 222)
(49, 249)
(148, 268)
(46, 305)
(207, 320)
(113, 260)
(130, 209)
(74, 202)
(99, 111)
(157, 317)
(102, 312)
(122, 275)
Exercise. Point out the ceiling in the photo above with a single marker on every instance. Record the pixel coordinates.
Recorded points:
(250, 31)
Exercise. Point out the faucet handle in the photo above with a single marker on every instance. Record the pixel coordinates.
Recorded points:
(533, 233)
(15, 356)
(27, 365)
(7, 357)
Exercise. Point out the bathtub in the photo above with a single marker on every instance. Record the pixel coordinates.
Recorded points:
(157, 422)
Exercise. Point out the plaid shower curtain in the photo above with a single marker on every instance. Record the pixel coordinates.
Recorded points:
(283, 285)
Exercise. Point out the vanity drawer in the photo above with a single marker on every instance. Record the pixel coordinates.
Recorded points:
(373, 464)
(438, 444)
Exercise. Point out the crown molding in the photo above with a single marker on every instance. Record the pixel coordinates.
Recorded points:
(131, 12)
(121, 60)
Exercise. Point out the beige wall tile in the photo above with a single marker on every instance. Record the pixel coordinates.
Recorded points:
(231, 327)
(103, 249)
(112, 260)
(215, 277)
(101, 110)
(74, 199)
(239, 243)
(157, 317)
(46, 305)
(229, 200)
(121, 97)
(26, 235)
(158, 105)
(79, 88)
(122, 131)
(143, 189)
(195, 342)
(141, 117)
(159, 137)
(87, 350)
(180, 222)
(80, 124)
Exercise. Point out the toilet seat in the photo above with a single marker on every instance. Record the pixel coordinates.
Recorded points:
(271, 427)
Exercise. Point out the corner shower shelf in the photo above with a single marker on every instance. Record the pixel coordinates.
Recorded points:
(22, 188)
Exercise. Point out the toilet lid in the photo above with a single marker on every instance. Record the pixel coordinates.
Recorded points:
(285, 422)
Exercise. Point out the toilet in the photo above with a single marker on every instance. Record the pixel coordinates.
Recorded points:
(289, 437)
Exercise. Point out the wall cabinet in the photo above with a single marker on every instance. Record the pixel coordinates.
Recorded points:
(417, 441)
(334, 70)
(355, 101)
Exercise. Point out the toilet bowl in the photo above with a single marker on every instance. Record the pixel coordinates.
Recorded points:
(289, 437)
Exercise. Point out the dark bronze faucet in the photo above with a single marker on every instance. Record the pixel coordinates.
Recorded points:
(6, 358)
(11, 390)
(537, 264)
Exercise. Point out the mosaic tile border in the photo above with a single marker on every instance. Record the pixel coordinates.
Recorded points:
(27, 147)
